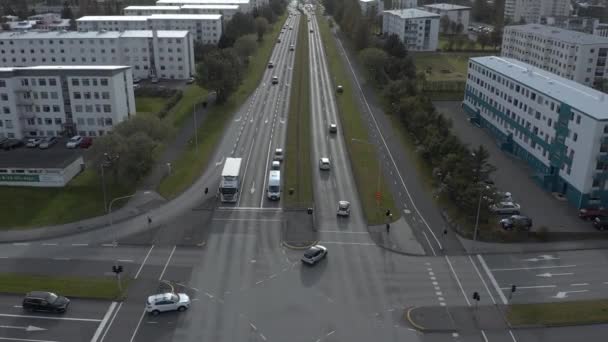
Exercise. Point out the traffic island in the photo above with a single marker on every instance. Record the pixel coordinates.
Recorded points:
(430, 319)
(558, 314)
(461, 319)
(298, 230)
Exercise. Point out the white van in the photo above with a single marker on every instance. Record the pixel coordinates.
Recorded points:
(274, 185)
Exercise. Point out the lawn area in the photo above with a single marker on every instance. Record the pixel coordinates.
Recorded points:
(75, 287)
(443, 46)
(298, 168)
(192, 94)
(444, 66)
(146, 104)
(555, 314)
(362, 155)
(191, 164)
(26, 207)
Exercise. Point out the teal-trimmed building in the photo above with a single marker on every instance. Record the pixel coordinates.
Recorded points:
(559, 127)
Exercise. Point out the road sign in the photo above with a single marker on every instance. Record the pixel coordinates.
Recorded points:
(378, 195)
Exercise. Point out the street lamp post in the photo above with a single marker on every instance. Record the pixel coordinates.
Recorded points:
(110, 210)
(481, 189)
(108, 160)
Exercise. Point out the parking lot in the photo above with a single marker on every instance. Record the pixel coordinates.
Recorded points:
(52, 157)
(514, 176)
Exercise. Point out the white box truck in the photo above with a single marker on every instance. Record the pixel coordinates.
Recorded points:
(274, 185)
(231, 182)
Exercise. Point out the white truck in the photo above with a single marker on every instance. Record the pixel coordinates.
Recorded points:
(231, 182)
(274, 185)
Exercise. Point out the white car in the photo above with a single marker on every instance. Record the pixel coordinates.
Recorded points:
(333, 128)
(343, 208)
(506, 208)
(74, 141)
(314, 254)
(278, 155)
(33, 142)
(167, 302)
(276, 165)
(324, 164)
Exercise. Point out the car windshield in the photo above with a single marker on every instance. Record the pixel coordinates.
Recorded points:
(74, 139)
(228, 191)
(273, 188)
(310, 252)
(173, 297)
(51, 298)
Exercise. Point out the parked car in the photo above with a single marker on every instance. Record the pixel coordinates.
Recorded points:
(516, 221)
(74, 141)
(154, 80)
(163, 302)
(48, 142)
(590, 213)
(601, 222)
(343, 208)
(86, 142)
(45, 301)
(33, 142)
(314, 254)
(324, 164)
(12, 144)
(505, 208)
(190, 80)
(311, 30)
(278, 40)
(333, 128)
(278, 155)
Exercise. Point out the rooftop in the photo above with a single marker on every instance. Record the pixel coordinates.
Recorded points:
(580, 97)
(90, 34)
(160, 8)
(113, 18)
(203, 2)
(568, 36)
(66, 67)
(448, 7)
(212, 6)
(411, 13)
(186, 16)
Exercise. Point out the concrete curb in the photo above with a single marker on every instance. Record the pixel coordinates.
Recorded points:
(408, 317)
(286, 244)
(396, 250)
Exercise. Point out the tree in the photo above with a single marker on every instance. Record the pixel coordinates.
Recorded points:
(496, 37)
(480, 166)
(150, 125)
(373, 60)
(459, 43)
(266, 12)
(395, 47)
(261, 25)
(277, 6)
(362, 35)
(459, 28)
(240, 25)
(481, 11)
(245, 46)
(483, 39)
(138, 158)
(444, 22)
(220, 71)
(470, 44)
(453, 27)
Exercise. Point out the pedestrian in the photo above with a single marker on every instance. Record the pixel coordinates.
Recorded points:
(388, 227)
(206, 191)
(149, 220)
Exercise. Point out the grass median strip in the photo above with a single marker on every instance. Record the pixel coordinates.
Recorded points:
(363, 155)
(298, 169)
(191, 163)
(80, 287)
(559, 314)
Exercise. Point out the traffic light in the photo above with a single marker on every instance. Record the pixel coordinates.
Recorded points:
(117, 269)
(206, 191)
(513, 288)
(309, 210)
(476, 296)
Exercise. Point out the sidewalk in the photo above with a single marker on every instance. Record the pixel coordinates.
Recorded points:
(399, 238)
(462, 319)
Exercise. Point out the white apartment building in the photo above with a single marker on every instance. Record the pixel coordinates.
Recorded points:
(418, 30)
(559, 127)
(244, 6)
(50, 21)
(205, 28)
(402, 4)
(531, 11)
(371, 7)
(61, 100)
(456, 13)
(163, 54)
(601, 30)
(227, 11)
(577, 56)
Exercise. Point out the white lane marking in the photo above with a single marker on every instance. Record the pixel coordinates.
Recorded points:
(241, 219)
(111, 321)
(466, 298)
(530, 287)
(3, 257)
(482, 280)
(512, 336)
(27, 328)
(80, 244)
(348, 243)
(250, 208)
(18, 306)
(253, 326)
(21, 244)
(330, 333)
(24, 339)
(138, 324)
(429, 242)
(253, 187)
(564, 294)
(530, 268)
(124, 260)
(53, 318)
(580, 284)
(144, 262)
(484, 336)
(238, 202)
(386, 146)
(167, 263)
(259, 282)
(341, 232)
(103, 323)
(220, 162)
(492, 279)
(541, 258)
(108, 245)
(49, 244)
(549, 275)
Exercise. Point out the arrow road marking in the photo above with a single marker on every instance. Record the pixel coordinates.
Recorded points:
(28, 328)
(220, 162)
(564, 294)
(542, 258)
(549, 275)
(530, 268)
(239, 119)
(253, 187)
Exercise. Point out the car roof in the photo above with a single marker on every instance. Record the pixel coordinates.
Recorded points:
(344, 203)
(161, 296)
(325, 160)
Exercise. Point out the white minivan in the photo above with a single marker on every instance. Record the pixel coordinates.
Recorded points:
(274, 185)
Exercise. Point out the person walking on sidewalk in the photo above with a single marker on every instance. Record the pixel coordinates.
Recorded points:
(388, 228)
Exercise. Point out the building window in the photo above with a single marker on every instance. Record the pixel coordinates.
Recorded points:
(77, 95)
(575, 137)
(48, 121)
(105, 95)
(52, 82)
(103, 81)
(56, 109)
(107, 108)
(42, 82)
(85, 82)
(80, 121)
(57, 122)
(6, 110)
(578, 119)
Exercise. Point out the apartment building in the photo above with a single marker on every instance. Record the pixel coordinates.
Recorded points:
(577, 56)
(162, 54)
(205, 28)
(149, 10)
(401, 4)
(227, 11)
(559, 127)
(531, 11)
(456, 13)
(50, 21)
(43, 101)
(601, 30)
(417, 29)
(371, 7)
(244, 6)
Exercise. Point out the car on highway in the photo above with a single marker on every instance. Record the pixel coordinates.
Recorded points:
(33, 142)
(601, 222)
(275, 79)
(343, 208)
(516, 221)
(86, 142)
(74, 141)
(276, 165)
(12, 144)
(292, 47)
(311, 31)
(278, 40)
(45, 301)
(270, 65)
(278, 155)
(505, 208)
(339, 89)
(324, 164)
(590, 213)
(47, 142)
(314, 254)
(164, 302)
(333, 128)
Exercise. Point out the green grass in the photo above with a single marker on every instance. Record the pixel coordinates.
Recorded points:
(76, 287)
(192, 94)
(362, 155)
(555, 314)
(147, 104)
(298, 168)
(26, 207)
(443, 45)
(191, 164)
(444, 67)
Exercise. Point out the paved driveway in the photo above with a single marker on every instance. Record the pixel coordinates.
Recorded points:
(513, 175)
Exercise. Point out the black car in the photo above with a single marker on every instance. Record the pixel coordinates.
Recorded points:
(12, 143)
(516, 221)
(45, 301)
(601, 222)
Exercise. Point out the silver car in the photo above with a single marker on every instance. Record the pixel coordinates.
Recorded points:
(343, 208)
(167, 302)
(48, 142)
(314, 254)
(506, 208)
